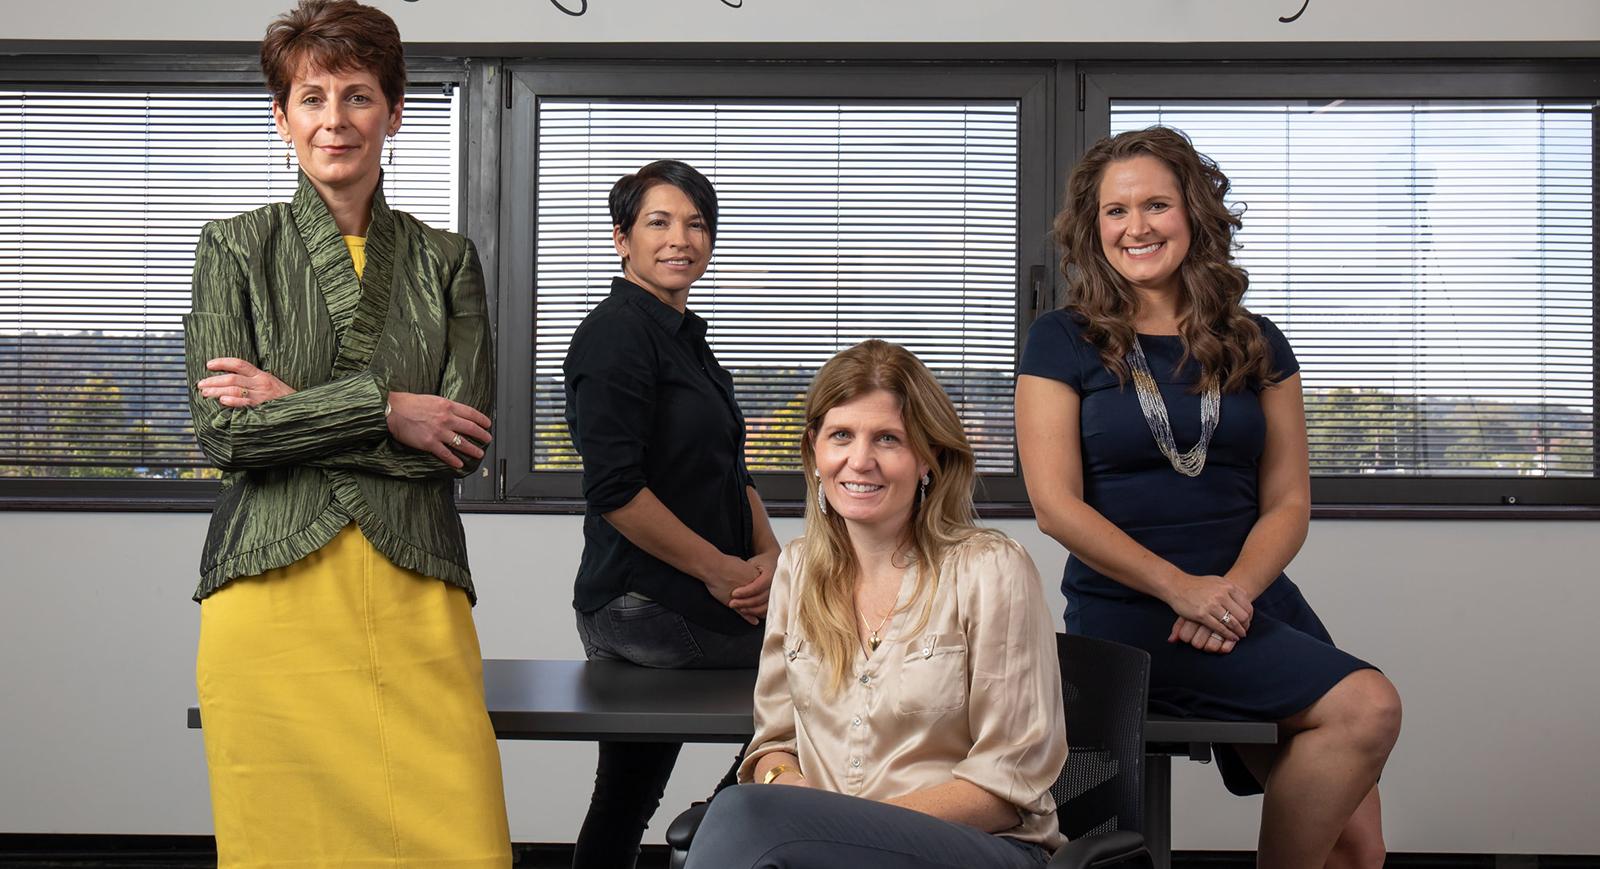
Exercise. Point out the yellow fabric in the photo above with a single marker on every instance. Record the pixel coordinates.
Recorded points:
(342, 704)
(358, 252)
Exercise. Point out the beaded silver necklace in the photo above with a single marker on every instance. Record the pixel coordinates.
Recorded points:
(1191, 463)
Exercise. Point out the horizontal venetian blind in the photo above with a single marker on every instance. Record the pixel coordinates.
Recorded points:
(840, 221)
(1432, 264)
(102, 196)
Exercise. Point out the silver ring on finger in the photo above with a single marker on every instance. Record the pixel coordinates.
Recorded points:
(1216, 636)
(456, 441)
(1226, 617)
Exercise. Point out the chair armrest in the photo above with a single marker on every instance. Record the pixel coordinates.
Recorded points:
(680, 833)
(1098, 849)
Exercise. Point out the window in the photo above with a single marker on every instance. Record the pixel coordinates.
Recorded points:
(102, 196)
(839, 222)
(1431, 259)
(842, 218)
(1423, 233)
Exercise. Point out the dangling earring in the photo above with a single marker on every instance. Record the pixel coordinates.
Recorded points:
(822, 501)
(922, 490)
(391, 150)
(287, 154)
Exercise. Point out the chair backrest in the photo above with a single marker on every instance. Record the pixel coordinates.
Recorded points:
(1106, 687)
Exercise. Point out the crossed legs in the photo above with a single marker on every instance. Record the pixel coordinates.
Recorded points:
(1321, 807)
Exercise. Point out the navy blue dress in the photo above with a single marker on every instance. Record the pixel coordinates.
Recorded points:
(1199, 524)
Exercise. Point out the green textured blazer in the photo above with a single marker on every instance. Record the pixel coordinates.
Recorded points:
(276, 287)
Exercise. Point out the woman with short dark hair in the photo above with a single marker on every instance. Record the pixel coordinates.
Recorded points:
(1182, 553)
(678, 553)
(343, 379)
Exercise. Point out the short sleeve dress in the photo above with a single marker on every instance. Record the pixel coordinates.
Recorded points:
(1198, 523)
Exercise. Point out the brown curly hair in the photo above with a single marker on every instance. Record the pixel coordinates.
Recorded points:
(1216, 330)
(334, 36)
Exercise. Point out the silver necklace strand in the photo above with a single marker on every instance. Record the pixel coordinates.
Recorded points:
(1191, 463)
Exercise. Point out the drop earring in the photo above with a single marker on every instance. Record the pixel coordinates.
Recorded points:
(822, 500)
(922, 490)
(287, 164)
(391, 150)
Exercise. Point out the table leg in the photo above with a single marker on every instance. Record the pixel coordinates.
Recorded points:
(1158, 808)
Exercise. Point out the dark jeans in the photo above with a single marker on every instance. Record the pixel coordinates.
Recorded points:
(631, 776)
(782, 827)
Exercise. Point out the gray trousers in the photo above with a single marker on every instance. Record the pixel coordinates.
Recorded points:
(781, 827)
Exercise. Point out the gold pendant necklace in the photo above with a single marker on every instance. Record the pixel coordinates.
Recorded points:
(873, 640)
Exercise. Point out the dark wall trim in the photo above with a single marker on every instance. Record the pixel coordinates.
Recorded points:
(235, 67)
(65, 504)
(125, 849)
(793, 509)
(891, 51)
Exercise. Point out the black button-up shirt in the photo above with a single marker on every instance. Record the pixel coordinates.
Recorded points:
(649, 406)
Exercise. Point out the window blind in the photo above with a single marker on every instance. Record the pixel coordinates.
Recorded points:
(1432, 264)
(840, 221)
(102, 196)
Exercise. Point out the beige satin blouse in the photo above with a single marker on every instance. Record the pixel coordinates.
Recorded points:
(974, 695)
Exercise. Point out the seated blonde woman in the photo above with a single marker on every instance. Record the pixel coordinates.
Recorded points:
(908, 709)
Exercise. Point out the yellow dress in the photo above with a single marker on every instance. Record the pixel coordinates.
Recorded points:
(342, 705)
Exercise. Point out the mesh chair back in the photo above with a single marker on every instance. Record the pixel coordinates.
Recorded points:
(1106, 687)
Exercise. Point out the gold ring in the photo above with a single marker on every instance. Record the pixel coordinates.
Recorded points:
(244, 392)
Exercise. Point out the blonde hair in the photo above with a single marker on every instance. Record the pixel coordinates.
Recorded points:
(945, 517)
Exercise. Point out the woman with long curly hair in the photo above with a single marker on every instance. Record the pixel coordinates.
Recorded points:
(1182, 553)
(908, 692)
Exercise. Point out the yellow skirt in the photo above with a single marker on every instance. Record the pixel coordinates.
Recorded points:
(342, 704)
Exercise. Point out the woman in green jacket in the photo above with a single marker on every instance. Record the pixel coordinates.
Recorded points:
(342, 369)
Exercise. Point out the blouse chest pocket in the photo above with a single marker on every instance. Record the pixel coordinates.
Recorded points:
(933, 675)
(800, 664)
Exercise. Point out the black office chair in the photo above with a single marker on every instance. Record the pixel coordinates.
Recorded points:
(1099, 794)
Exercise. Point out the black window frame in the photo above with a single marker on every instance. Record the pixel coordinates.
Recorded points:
(1101, 83)
(1030, 84)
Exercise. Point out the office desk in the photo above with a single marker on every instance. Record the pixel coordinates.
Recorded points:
(578, 700)
(584, 701)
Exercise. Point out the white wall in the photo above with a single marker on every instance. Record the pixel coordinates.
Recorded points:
(1487, 628)
(652, 21)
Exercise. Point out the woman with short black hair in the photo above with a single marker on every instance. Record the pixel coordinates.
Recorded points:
(678, 552)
